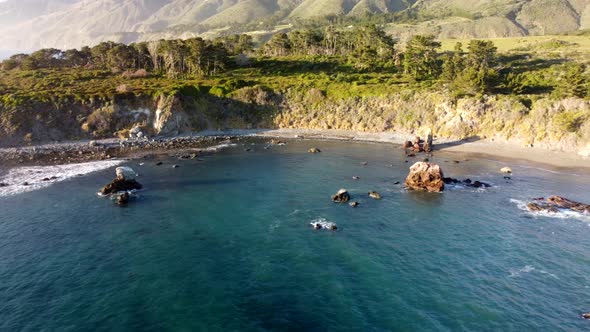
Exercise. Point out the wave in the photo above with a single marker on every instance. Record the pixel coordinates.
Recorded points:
(560, 214)
(549, 171)
(220, 146)
(39, 177)
(529, 269)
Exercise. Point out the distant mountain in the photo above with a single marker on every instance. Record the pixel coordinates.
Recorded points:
(33, 24)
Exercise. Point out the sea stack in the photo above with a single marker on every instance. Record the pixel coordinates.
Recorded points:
(425, 177)
(124, 181)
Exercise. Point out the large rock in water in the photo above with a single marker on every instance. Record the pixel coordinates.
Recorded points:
(124, 181)
(342, 196)
(554, 203)
(425, 177)
(565, 203)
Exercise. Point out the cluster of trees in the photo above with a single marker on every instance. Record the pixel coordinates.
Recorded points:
(367, 45)
(176, 58)
(471, 72)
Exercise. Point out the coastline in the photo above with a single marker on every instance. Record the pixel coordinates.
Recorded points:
(105, 149)
(484, 148)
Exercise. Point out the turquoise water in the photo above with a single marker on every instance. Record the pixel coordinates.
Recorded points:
(225, 244)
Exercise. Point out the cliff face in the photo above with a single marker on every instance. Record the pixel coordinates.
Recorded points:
(553, 124)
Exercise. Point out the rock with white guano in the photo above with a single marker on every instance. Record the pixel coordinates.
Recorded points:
(125, 173)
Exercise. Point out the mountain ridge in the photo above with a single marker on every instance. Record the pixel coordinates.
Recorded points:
(32, 24)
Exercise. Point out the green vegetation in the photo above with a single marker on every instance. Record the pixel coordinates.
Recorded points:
(353, 78)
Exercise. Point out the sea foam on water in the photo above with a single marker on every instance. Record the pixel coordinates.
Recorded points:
(34, 175)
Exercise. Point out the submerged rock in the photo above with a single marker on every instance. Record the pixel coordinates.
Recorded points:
(354, 204)
(374, 195)
(2, 184)
(323, 224)
(123, 199)
(314, 150)
(425, 177)
(342, 196)
(467, 183)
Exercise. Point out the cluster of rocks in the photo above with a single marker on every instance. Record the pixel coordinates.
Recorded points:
(554, 203)
(467, 183)
(123, 186)
(419, 145)
(277, 142)
(136, 132)
(64, 153)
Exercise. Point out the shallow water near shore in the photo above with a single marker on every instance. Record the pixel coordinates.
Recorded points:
(225, 244)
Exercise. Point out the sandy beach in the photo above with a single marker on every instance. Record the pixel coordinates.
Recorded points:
(497, 150)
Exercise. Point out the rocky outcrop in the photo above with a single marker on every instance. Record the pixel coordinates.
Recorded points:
(554, 203)
(125, 173)
(125, 181)
(342, 196)
(565, 203)
(425, 177)
(170, 117)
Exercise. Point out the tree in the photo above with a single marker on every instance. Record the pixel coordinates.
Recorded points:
(47, 58)
(453, 64)
(572, 82)
(122, 57)
(420, 57)
(278, 45)
(75, 58)
(482, 54)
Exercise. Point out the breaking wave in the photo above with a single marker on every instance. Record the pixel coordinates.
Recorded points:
(25, 179)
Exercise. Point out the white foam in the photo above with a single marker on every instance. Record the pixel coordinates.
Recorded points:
(16, 177)
(560, 214)
(550, 171)
(220, 146)
(323, 223)
(528, 269)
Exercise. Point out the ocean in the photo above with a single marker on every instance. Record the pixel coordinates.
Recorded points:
(225, 244)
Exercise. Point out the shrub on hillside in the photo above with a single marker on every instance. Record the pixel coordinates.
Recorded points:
(570, 121)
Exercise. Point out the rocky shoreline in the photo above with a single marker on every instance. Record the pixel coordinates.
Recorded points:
(83, 151)
(86, 151)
